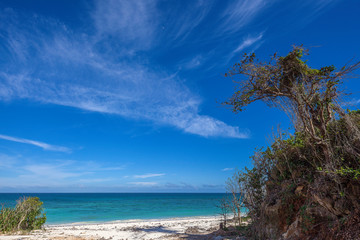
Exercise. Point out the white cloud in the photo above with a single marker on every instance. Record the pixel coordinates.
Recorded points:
(75, 73)
(251, 43)
(312, 9)
(50, 171)
(144, 184)
(149, 175)
(353, 102)
(227, 169)
(111, 168)
(356, 102)
(7, 161)
(237, 15)
(133, 22)
(247, 42)
(44, 174)
(208, 126)
(213, 186)
(95, 180)
(26, 172)
(42, 145)
(181, 185)
(193, 62)
(177, 27)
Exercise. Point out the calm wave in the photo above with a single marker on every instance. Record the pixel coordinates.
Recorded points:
(100, 207)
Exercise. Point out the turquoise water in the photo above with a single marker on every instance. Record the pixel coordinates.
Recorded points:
(100, 207)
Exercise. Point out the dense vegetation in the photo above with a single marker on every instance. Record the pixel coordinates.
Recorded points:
(306, 185)
(27, 215)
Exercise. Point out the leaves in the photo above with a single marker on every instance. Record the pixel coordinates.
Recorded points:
(27, 215)
(325, 147)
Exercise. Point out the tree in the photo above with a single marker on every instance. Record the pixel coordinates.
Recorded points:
(224, 211)
(236, 188)
(303, 183)
(309, 96)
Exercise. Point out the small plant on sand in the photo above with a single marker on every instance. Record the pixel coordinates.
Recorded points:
(26, 216)
(224, 212)
(236, 188)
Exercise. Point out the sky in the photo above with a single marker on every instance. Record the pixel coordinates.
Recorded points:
(125, 96)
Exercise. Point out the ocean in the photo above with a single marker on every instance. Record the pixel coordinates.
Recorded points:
(63, 208)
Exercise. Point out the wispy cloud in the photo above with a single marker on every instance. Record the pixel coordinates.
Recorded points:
(79, 75)
(71, 175)
(353, 102)
(208, 126)
(312, 9)
(144, 184)
(180, 186)
(250, 43)
(42, 145)
(7, 161)
(213, 186)
(111, 168)
(95, 180)
(247, 42)
(237, 15)
(32, 172)
(50, 171)
(134, 23)
(48, 174)
(149, 175)
(193, 62)
(191, 187)
(227, 169)
(356, 102)
(176, 29)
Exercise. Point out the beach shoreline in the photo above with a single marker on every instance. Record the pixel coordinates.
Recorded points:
(133, 220)
(201, 227)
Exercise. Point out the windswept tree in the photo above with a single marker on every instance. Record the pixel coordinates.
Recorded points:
(305, 181)
(309, 96)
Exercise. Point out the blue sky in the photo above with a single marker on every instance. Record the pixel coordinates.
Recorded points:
(124, 96)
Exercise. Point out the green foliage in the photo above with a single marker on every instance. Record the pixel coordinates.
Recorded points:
(282, 78)
(309, 96)
(347, 171)
(323, 151)
(27, 215)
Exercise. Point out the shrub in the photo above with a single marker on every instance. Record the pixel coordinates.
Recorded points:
(26, 216)
(309, 179)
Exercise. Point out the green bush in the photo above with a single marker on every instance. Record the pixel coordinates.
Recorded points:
(26, 216)
(309, 178)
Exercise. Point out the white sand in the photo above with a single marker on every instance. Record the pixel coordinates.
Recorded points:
(175, 228)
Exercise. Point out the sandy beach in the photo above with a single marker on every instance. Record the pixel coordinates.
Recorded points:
(174, 228)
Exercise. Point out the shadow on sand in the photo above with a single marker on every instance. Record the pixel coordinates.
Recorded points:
(173, 234)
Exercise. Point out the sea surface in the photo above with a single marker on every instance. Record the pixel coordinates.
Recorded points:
(63, 208)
